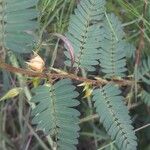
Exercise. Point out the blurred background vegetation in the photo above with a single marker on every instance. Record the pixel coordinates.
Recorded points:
(15, 131)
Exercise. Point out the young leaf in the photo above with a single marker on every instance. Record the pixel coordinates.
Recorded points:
(11, 93)
(87, 88)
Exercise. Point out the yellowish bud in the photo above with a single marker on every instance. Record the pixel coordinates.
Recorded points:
(11, 93)
(36, 63)
(87, 89)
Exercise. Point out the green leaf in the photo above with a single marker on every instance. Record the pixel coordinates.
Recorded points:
(17, 18)
(144, 71)
(54, 112)
(85, 34)
(113, 48)
(114, 116)
(146, 97)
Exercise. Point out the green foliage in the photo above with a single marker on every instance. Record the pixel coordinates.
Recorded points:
(146, 97)
(54, 113)
(130, 50)
(95, 37)
(16, 24)
(55, 14)
(114, 116)
(113, 52)
(144, 71)
(84, 33)
(100, 45)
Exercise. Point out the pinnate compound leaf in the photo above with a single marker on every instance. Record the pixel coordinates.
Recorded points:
(114, 116)
(84, 33)
(17, 21)
(113, 48)
(146, 97)
(54, 112)
(144, 71)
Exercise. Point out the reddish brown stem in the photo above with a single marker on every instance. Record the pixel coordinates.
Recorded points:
(51, 75)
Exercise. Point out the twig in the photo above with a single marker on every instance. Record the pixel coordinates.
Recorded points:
(28, 143)
(51, 75)
(89, 118)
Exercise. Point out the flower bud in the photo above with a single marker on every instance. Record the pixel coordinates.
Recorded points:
(36, 63)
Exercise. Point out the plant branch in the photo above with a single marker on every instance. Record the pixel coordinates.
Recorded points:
(53, 75)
